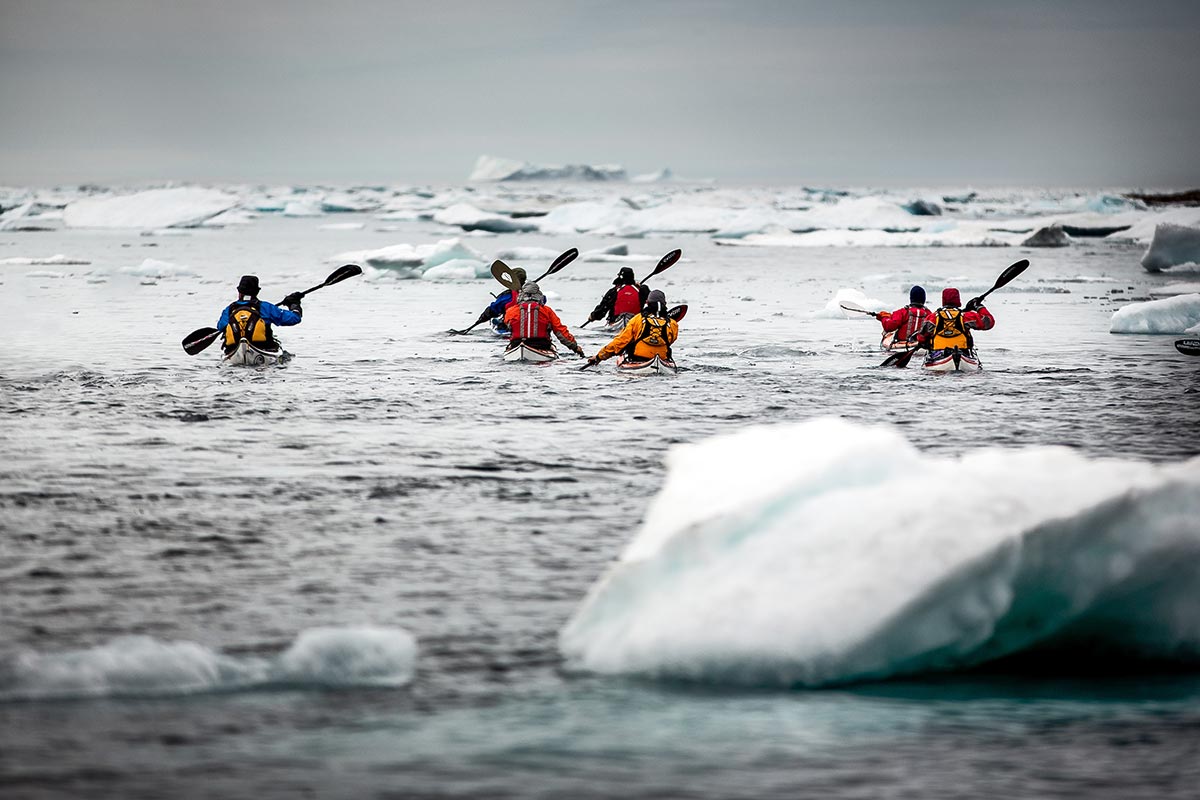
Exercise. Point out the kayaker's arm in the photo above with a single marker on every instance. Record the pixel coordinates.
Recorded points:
(605, 306)
(561, 331)
(979, 318)
(224, 320)
(496, 308)
(278, 316)
(620, 341)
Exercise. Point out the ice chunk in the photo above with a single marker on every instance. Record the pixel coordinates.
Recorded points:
(349, 202)
(1175, 289)
(306, 207)
(458, 269)
(791, 570)
(923, 207)
(57, 260)
(1051, 236)
(155, 208)
(153, 268)
(833, 309)
(342, 226)
(1172, 245)
(490, 168)
(141, 666)
(410, 261)
(470, 218)
(660, 176)
(1170, 315)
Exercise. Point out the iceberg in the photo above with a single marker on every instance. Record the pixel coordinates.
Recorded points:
(1179, 314)
(1051, 236)
(833, 309)
(791, 571)
(408, 261)
(142, 666)
(470, 218)
(1172, 245)
(491, 168)
(181, 207)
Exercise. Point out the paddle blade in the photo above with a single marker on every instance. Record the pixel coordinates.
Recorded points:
(198, 340)
(678, 312)
(562, 261)
(664, 263)
(1006, 277)
(1189, 347)
(342, 273)
(502, 273)
(899, 360)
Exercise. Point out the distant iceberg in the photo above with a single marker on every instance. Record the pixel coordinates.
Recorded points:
(1172, 245)
(1179, 314)
(156, 208)
(791, 572)
(1050, 236)
(470, 218)
(408, 261)
(491, 168)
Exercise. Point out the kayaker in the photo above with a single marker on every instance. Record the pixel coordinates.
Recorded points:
(530, 321)
(503, 301)
(251, 319)
(650, 333)
(951, 326)
(625, 298)
(907, 322)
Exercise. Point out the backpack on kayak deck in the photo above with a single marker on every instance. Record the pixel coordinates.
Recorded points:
(950, 330)
(652, 333)
(246, 322)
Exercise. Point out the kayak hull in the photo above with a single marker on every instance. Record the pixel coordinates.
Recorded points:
(889, 344)
(530, 355)
(655, 366)
(952, 360)
(247, 355)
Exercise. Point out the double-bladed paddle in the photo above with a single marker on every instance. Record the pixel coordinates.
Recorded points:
(901, 359)
(664, 263)
(502, 273)
(201, 338)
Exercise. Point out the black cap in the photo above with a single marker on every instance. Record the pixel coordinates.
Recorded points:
(624, 277)
(248, 285)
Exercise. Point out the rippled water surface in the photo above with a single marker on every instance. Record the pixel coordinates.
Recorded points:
(395, 476)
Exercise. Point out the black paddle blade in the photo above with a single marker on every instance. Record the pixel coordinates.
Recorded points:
(663, 263)
(1189, 347)
(198, 340)
(678, 312)
(559, 263)
(342, 273)
(1011, 272)
(899, 360)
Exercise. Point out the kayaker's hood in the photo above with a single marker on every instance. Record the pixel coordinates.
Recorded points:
(531, 292)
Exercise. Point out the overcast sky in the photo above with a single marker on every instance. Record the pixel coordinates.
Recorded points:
(878, 92)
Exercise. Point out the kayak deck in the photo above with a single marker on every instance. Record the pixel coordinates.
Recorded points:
(653, 366)
(952, 359)
(245, 354)
(530, 355)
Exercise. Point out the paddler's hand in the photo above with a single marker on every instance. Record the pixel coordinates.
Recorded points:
(593, 361)
(578, 351)
(292, 301)
(974, 304)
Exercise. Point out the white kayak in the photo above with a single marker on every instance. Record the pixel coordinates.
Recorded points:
(247, 355)
(889, 343)
(618, 324)
(533, 355)
(653, 366)
(952, 359)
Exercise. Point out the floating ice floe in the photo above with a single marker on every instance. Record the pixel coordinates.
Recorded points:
(141, 666)
(833, 309)
(306, 207)
(342, 226)
(56, 260)
(155, 208)
(470, 218)
(1172, 245)
(491, 168)
(1180, 314)
(347, 202)
(408, 261)
(1050, 236)
(1175, 289)
(457, 269)
(153, 268)
(791, 570)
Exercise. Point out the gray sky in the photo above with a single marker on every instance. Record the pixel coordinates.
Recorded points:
(881, 92)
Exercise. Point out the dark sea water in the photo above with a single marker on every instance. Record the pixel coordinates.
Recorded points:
(396, 477)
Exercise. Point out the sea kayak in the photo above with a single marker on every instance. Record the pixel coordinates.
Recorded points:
(618, 324)
(533, 355)
(247, 355)
(653, 366)
(499, 328)
(889, 343)
(952, 359)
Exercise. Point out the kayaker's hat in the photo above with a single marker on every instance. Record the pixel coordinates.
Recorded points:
(950, 298)
(531, 291)
(624, 277)
(656, 302)
(916, 296)
(518, 274)
(248, 285)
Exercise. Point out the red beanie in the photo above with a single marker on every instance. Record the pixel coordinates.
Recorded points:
(950, 298)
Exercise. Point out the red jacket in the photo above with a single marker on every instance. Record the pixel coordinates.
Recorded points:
(908, 321)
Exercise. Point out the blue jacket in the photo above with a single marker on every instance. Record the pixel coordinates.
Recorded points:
(269, 312)
(499, 305)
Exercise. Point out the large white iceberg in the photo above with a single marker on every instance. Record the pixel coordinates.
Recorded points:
(469, 218)
(1172, 245)
(1179, 314)
(491, 168)
(409, 261)
(794, 569)
(156, 208)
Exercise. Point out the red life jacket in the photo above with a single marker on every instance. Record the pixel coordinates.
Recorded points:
(629, 300)
(531, 323)
(912, 325)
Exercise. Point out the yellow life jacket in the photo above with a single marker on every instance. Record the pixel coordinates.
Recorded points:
(950, 330)
(245, 323)
(653, 340)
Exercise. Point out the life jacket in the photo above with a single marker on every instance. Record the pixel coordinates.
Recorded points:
(912, 324)
(654, 335)
(246, 323)
(531, 323)
(950, 330)
(629, 300)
